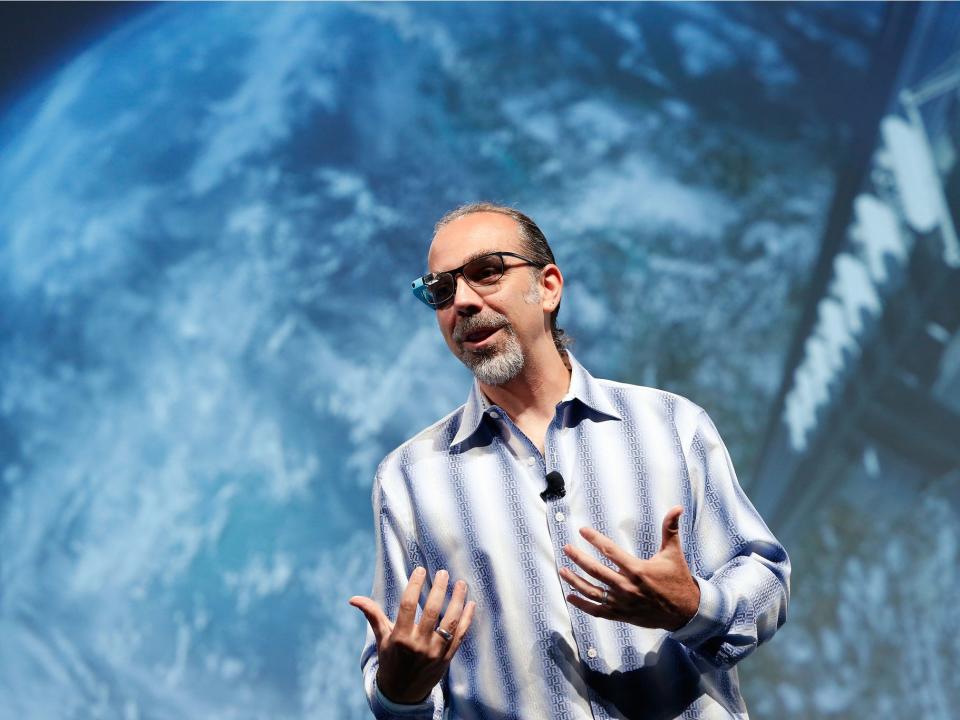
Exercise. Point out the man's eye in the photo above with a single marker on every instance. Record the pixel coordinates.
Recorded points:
(484, 272)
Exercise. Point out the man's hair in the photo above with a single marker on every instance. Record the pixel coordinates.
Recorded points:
(533, 242)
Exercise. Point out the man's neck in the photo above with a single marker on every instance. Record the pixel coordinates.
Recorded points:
(544, 381)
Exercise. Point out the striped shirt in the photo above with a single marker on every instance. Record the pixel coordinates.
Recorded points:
(464, 495)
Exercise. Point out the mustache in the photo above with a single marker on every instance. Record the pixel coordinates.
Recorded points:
(472, 324)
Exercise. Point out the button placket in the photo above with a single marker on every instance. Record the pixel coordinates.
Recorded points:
(561, 531)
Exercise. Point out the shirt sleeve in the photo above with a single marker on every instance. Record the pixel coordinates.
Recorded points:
(397, 555)
(742, 569)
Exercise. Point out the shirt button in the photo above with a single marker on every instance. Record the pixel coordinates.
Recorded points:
(591, 652)
(494, 414)
(560, 517)
(531, 460)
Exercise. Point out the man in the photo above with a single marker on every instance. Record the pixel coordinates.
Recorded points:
(614, 565)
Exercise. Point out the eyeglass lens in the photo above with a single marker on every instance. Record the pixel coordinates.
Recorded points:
(484, 270)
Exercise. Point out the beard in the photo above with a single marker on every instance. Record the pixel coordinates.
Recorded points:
(497, 363)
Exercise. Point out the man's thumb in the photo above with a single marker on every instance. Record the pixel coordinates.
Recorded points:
(671, 528)
(379, 622)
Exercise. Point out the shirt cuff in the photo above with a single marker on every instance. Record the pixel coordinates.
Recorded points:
(421, 709)
(709, 618)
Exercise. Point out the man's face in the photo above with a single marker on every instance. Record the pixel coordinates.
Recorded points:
(490, 329)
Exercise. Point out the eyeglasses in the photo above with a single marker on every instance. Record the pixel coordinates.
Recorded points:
(437, 289)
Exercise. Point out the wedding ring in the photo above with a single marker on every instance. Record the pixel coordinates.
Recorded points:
(603, 599)
(444, 634)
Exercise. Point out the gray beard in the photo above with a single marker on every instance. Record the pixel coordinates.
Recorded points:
(500, 365)
(496, 365)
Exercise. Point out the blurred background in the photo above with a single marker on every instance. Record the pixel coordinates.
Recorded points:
(209, 219)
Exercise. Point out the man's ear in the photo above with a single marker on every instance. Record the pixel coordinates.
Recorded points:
(551, 287)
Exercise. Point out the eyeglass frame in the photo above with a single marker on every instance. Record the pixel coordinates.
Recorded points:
(420, 285)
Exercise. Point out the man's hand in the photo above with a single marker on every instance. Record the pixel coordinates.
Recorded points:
(413, 657)
(655, 593)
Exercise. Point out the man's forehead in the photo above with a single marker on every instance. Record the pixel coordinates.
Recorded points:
(470, 236)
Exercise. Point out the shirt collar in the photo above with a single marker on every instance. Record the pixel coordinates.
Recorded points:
(583, 387)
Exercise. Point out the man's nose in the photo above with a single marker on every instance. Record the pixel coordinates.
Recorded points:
(466, 300)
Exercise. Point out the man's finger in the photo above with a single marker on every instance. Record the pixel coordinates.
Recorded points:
(455, 608)
(595, 569)
(591, 608)
(607, 547)
(462, 626)
(431, 609)
(451, 619)
(670, 531)
(582, 586)
(378, 620)
(410, 600)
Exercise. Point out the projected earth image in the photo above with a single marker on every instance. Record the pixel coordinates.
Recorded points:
(210, 219)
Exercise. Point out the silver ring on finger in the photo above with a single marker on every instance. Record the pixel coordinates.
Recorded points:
(603, 598)
(446, 635)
